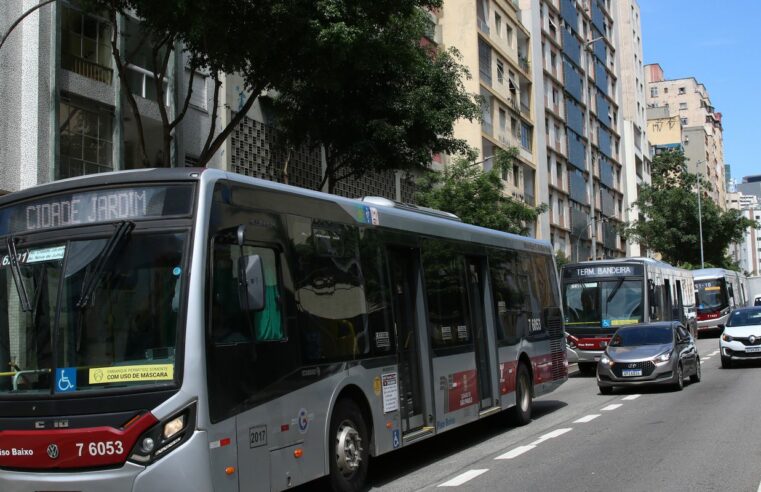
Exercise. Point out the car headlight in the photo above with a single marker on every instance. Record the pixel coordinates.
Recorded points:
(605, 360)
(726, 338)
(664, 357)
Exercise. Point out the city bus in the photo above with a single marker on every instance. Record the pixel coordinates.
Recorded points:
(718, 292)
(602, 295)
(176, 329)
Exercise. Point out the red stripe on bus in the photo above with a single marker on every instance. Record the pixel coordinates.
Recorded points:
(71, 448)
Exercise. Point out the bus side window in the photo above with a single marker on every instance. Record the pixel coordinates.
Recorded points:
(507, 297)
(377, 293)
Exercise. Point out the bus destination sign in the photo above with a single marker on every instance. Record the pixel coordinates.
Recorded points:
(605, 271)
(91, 207)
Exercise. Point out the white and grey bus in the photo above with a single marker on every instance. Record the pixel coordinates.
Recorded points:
(600, 296)
(198, 330)
(718, 292)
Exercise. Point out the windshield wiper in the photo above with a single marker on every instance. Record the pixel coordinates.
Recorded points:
(16, 273)
(613, 292)
(93, 277)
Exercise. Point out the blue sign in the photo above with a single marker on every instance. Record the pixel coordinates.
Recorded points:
(66, 379)
(395, 438)
(606, 323)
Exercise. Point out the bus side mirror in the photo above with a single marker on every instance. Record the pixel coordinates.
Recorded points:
(251, 283)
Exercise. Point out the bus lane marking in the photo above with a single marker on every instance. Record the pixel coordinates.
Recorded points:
(514, 453)
(553, 434)
(612, 407)
(463, 477)
(586, 418)
(631, 397)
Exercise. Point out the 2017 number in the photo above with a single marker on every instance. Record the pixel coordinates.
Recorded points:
(102, 448)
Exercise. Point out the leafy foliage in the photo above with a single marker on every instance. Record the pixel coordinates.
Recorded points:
(672, 225)
(475, 195)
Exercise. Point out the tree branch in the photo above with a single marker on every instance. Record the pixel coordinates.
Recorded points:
(219, 140)
(18, 21)
(186, 103)
(213, 123)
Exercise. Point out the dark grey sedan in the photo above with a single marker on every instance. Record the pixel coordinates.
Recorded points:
(649, 353)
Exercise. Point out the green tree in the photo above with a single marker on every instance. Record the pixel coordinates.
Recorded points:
(475, 195)
(351, 75)
(671, 224)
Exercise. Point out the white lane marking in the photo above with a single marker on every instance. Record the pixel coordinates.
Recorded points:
(631, 397)
(611, 407)
(463, 477)
(714, 352)
(586, 418)
(551, 435)
(705, 358)
(514, 453)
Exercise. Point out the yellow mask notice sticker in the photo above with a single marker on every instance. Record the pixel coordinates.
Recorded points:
(623, 322)
(126, 374)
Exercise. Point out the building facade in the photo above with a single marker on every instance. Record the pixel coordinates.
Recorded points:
(495, 46)
(578, 100)
(636, 151)
(702, 140)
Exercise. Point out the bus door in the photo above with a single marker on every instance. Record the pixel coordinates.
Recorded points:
(476, 289)
(403, 271)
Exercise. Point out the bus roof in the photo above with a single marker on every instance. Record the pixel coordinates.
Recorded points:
(404, 218)
(708, 273)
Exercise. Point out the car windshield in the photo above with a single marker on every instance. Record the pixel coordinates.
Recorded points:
(711, 295)
(607, 303)
(642, 335)
(745, 317)
(123, 334)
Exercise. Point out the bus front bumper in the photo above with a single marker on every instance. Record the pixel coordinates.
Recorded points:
(192, 458)
(712, 324)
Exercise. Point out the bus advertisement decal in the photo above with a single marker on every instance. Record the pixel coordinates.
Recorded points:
(463, 390)
(126, 374)
(390, 392)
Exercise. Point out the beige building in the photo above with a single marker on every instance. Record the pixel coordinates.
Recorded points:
(635, 156)
(702, 130)
(664, 129)
(494, 46)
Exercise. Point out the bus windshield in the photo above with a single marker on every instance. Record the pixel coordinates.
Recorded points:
(90, 314)
(605, 303)
(712, 295)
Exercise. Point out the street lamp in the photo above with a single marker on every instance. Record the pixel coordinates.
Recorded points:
(700, 214)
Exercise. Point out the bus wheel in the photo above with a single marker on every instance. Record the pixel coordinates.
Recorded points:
(521, 413)
(348, 431)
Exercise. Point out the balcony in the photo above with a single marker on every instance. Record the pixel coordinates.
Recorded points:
(86, 68)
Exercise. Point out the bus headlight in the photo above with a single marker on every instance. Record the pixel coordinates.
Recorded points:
(164, 436)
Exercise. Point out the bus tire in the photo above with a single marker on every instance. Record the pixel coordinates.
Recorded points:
(349, 443)
(521, 412)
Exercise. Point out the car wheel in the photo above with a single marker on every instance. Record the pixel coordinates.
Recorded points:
(349, 447)
(606, 390)
(679, 383)
(726, 362)
(695, 378)
(521, 412)
(587, 368)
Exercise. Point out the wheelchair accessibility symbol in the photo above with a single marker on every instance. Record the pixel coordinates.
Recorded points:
(66, 379)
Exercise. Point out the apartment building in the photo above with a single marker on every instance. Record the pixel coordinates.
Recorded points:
(636, 158)
(577, 43)
(664, 129)
(495, 46)
(702, 128)
(65, 113)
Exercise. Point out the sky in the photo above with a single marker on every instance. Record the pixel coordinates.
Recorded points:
(715, 41)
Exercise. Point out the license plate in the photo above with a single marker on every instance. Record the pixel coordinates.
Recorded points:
(631, 372)
(753, 349)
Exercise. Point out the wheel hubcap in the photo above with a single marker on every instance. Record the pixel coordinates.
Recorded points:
(348, 448)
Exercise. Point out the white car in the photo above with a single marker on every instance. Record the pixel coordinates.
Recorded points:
(741, 339)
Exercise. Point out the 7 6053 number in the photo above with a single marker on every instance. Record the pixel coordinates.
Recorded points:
(102, 448)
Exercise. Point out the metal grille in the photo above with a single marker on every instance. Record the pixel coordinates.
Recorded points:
(557, 353)
(746, 341)
(647, 367)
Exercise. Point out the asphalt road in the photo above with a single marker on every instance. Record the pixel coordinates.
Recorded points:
(706, 437)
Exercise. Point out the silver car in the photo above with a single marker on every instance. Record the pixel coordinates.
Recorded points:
(649, 353)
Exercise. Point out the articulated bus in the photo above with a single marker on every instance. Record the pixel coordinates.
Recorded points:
(600, 296)
(718, 292)
(183, 330)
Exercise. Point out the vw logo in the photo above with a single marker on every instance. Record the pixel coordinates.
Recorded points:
(53, 451)
(752, 339)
